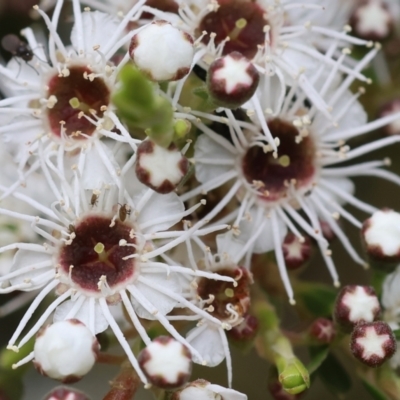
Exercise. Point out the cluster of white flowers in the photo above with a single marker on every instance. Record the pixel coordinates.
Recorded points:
(117, 229)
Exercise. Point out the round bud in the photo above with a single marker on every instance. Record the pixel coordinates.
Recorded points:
(381, 236)
(158, 168)
(232, 80)
(327, 231)
(356, 304)
(391, 108)
(162, 52)
(373, 343)
(203, 390)
(279, 393)
(65, 350)
(166, 363)
(246, 330)
(65, 393)
(296, 252)
(322, 330)
(371, 20)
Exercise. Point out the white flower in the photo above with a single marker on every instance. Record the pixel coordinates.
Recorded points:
(65, 350)
(203, 390)
(266, 32)
(228, 302)
(273, 187)
(62, 101)
(121, 7)
(96, 257)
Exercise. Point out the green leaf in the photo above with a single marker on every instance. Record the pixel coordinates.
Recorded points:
(318, 299)
(334, 376)
(11, 384)
(318, 355)
(396, 334)
(375, 393)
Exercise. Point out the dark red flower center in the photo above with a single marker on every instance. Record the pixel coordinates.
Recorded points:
(242, 21)
(96, 252)
(225, 293)
(295, 163)
(77, 94)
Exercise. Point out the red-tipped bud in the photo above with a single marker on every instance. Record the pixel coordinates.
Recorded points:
(278, 393)
(373, 343)
(232, 80)
(166, 363)
(296, 251)
(322, 330)
(356, 304)
(162, 52)
(381, 236)
(327, 231)
(371, 20)
(65, 393)
(390, 108)
(158, 168)
(246, 330)
(203, 390)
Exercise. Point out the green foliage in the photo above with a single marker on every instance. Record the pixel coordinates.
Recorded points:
(316, 298)
(334, 376)
(375, 393)
(318, 355)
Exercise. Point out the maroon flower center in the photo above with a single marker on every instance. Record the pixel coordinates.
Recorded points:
(294, 164)
(225, 293)
(77, 94)
(242, 21)
(95, 252)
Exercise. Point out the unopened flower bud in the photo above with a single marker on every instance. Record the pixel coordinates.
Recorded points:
(295, 251)
(203, 390)
(373, 343)
(390, 108)
(381, 236)
(246, 330)
(371, 20)
(294, 378)
(356, 304)
(162, 52)
(65, 393)
(65, 350)
(232, 80)
(322, 330)
(278, 393)
(166, 363)
(327, 231)
(158, 168)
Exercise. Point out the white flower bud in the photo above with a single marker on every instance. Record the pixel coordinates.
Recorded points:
(381, 236)
(166, 363)
(65, 393)
(203, 390)
(373, 343)
(158, 168)
(65, 350)
(162, 52)
(232, 80)
(355, 304)
(371, 20)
